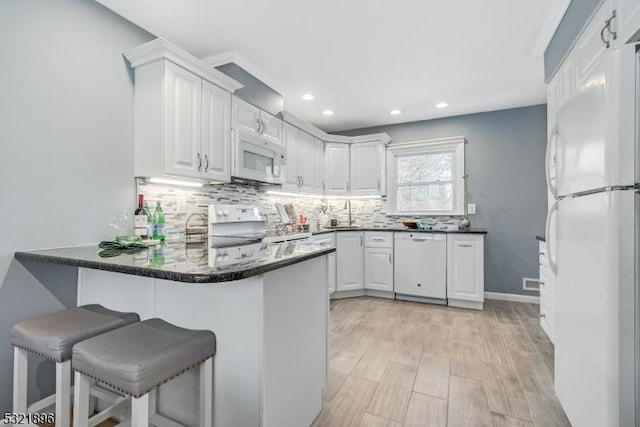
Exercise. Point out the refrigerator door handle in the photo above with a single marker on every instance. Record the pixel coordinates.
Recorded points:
(549, 238)
(549, 157)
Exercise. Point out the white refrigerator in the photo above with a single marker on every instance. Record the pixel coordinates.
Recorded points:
(596, 245)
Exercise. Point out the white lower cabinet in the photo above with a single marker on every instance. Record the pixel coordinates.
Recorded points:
(547, 293)
(378, 269)
(349, 263)
(378, 261)
(331, 273)
(465, 270)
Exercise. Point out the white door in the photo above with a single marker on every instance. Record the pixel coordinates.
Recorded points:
(245, 116)
(216, 133)
(271, 127)
(305, 161)
(465, 267)
(349, 261)
(331, 272)
(595, 143)
(336, 168)
(291, 138)
(366, 168)
(378, 269)
(182, 122)
(318, 166)
(594, 298)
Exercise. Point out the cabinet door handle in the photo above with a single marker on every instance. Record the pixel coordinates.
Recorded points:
(378, 185)
(606, 42)
(461, 245)
(542, 315)
(323, 186)
(206, 164)
(348, 187)
(541, 253)
(378, 239)
(199, 162)
(259, 129)
(360, 240)
(608, 25)
(540, 283)
(390, 258)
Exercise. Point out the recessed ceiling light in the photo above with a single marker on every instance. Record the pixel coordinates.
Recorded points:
(307, 97)
(327, 112)
(442, 105)
(395, 112)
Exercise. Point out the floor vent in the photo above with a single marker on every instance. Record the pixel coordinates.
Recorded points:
(529, 284)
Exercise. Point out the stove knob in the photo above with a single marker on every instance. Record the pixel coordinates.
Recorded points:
(219, 213)
(225, 213)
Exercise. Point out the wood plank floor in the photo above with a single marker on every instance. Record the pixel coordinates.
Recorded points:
(396, 363)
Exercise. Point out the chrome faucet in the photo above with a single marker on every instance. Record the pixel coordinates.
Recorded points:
(347, 205)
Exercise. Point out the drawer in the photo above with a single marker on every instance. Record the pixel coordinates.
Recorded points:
(323, 239)
(375, 239)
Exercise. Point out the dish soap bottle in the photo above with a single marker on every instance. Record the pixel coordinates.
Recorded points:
(158, 229)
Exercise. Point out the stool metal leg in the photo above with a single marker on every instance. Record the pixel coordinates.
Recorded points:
(206, 393)
(81, 400)
(63, 394)
(20, 370)
(140, 411)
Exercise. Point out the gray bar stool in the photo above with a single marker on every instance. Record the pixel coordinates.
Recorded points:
(136, 360)
(53, 336)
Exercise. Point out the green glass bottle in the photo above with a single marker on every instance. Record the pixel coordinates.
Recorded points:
(150, 220)
(158, 224)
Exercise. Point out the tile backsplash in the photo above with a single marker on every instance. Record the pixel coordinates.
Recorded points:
(195, 201)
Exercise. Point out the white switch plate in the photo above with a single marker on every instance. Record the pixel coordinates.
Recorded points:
(471, 208)
(181, 204)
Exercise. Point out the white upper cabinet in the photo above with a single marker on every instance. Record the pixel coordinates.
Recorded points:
(367, 168)
(336, 168)
(627, 20)
(182, 122)
(291, 138)
(216, 132)
(182, 114)
(318, 166)
(305, 162)
(246, 117)
(251, 119)
(271, 127)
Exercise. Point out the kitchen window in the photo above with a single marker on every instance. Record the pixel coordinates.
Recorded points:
(426, 177)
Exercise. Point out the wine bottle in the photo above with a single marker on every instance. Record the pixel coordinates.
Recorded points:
(158, 229)
(150, 221)
(141, 220)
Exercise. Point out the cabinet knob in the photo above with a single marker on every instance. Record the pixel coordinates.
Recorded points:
(390, 260)
(419, 285)
(206, 164)
(199, 162)
(540, 283)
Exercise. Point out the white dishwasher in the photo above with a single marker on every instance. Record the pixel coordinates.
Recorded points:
(420, 272)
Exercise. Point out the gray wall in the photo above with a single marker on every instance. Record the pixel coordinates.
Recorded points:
(66, 114)
(505, 162)
(577, 15)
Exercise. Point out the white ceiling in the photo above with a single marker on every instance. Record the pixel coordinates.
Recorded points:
(363, 58)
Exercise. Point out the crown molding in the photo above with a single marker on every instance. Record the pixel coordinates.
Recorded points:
(303, 125)
(399, 146)
(385, 138)
(554, 16)
(160, 48)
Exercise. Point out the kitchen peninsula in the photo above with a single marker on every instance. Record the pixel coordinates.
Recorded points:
(269, 315)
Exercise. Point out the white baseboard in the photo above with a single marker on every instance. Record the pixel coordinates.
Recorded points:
(512, 297)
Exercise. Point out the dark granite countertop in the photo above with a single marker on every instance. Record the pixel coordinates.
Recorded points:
(398, 229)
(541, 238)
(179, 262)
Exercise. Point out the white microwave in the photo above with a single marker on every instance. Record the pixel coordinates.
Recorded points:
(256, 159)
